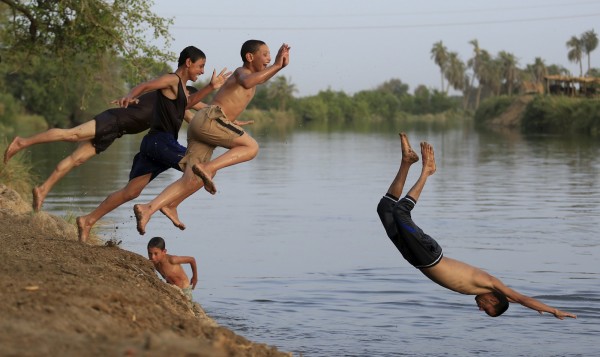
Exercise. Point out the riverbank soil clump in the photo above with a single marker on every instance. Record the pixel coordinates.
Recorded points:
(59, 297)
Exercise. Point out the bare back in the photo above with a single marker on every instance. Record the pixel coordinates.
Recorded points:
(460, 277)
(232, 97)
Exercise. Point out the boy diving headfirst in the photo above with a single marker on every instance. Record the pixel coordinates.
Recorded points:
(424, 253)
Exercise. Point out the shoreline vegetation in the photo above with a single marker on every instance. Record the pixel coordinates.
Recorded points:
(539, 114)
(64, 298)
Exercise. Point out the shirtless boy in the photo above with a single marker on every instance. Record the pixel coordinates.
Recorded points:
(216, 125)
(424, 253)
(169, 266)
(159, 149)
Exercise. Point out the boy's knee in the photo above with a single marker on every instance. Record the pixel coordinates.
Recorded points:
(131, 194)
(253, 147)
(78, 161)
(254, 151)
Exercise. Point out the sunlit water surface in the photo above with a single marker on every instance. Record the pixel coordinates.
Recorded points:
(291, 252)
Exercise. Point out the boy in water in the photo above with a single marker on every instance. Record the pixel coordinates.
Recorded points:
(169, 266)
(424, 253)
(216, 125)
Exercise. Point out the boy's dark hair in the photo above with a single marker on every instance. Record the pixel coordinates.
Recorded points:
(502, 304)
(250, 46)
(192, 53)
(157, 242)
(191, 89)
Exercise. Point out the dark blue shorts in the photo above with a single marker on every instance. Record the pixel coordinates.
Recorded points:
(159, 152)
(416, 247)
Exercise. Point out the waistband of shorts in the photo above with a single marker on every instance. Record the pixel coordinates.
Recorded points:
(154, 132)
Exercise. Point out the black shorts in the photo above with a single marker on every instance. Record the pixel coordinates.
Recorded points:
(107, 131)
(159, 151)
(416, 247)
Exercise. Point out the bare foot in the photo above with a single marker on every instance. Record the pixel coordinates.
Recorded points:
(408, 154)
(83, 229)
(206, 178)
(428, 158)
(141, 217)
(173, 216)
(12, 149)
(38, 198)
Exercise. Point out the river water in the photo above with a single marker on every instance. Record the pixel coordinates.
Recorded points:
(291, 251)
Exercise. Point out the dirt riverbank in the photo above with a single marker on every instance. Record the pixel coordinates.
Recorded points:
(59, 297)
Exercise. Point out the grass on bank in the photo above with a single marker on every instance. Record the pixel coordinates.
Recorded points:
(17, 173)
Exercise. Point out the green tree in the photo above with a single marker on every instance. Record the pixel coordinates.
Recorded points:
(312, 108)
(422, 103)
(575, 53)
(489, 74)
(475, 64)
(509, 70)
(281, 91)
(383, 105)
(538, 70)
(63, 57)
(439, 54)
(394, 86)
(556, 69)
(455, 72)
(589, 39)
(261, 98)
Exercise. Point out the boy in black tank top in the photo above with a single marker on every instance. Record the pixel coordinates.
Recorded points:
(159, 149)
(94, 137)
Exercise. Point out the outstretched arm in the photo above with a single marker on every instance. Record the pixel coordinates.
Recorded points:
(162, 82)
(249, 80)
(216, 81)
(529, 302)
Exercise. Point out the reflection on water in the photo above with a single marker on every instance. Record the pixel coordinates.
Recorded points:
(291, 251)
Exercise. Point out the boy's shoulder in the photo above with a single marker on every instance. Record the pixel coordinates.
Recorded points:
(170, 257)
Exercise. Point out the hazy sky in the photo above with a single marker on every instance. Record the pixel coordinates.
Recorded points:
(353, 45)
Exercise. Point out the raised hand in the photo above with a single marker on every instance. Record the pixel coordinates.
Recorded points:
(217, 81)
(283, 55)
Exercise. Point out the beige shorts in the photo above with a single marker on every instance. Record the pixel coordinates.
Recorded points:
(208, 129)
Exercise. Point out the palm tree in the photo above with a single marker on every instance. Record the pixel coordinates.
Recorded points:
(539, 70)
(508, 67)
(491, 73)
(475, 65)
(455, 72)
(536, 72)
(589, 40)
(575, 52)
(439, 54)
